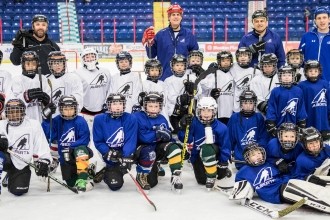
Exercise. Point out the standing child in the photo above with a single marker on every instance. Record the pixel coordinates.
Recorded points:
(195, 62)
(295, 59)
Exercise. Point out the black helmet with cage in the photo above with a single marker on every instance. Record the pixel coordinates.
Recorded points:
(113, 98)
(68, 107)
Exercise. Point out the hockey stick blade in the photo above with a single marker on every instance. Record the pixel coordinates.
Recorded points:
(292, 207)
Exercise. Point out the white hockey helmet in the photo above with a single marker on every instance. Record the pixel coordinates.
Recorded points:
(89, 64)
(206, 103)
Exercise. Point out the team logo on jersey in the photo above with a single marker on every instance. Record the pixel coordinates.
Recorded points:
(126, 90)
(99, 81)
(228, 88)
(21, 145)
(264, 178)
(320, 99)
(244, 82)
(249, 136)
(1, 84)
(68, 137)
(291, 107)
(117, 138)
(57, 93)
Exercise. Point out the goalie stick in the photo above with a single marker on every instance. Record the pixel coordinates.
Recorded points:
(257, 206)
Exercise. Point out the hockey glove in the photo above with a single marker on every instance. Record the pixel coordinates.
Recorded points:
(162, 134)
(189, 87)
(214, 66)
(141, 97)
(136, 108)
(223, 171)
(148, 37)
(2, 102)
(282, 166)
(48, 111)
(262, 107)
(3, 143)
(197, 69)
(42, 167)
(126, 164)
(112, 156)
(316, 180)
(257, 47)
(32, 94)
(185, 121)
(18, 39)
(297, 78)
(215, 93)
(44, 98)
(271, 128)
(183, 100)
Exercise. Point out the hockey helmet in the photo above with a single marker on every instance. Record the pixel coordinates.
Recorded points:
(30, 63)
(311, 134)
(116, 111)
(178, 58)
(243, 51)
(195, 53)
(224, 55)
(248, 96)
(311, 64)
(15, 111)
(175, 8)
(283, 71)
(89, 62)
(287, 141)
(206, 103)
(153, 97)
(57, 63)
(124, 55)
(68, 107)
(268, 59)
(250, 151)
(259, 14)
(153, 63)
(292, 54)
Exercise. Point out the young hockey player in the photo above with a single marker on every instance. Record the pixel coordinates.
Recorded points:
(125, 82)
(222, 90)
(264, 83)
(5, 80)
(286, 103)
(295, 59)
(180, 87)
(316, 98)
(25, 138)
(72, 135)
(314, 155)
(246, 126)
(211, 145)
(156, 144)
(242, 74)
(115, 137)
(29, 88)
(284, 150)
(271, 186)
(195, 62)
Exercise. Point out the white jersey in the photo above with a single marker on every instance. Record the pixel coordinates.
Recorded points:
(242, 78)
(21, 84)
(6, 84)
(225, 82)
(175, 87)
(303, 77)
(96, 84)
(263, 86)
(68, 84)
(129, 85)
(27, 140)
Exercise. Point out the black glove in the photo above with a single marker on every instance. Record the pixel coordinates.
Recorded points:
(3, 143)
(223, 171)
(215, 93)
(104, 108)
(141, 97)
(197, 69)
(112, 155)
(262, 107)
(2, 101)
(42, 167)
(189, 87)
(185, 120)
(44, 98)
(183, 100)
(271, 128)
(18, 39)
(282, 166)
(257, 47)
(213, 65)
(126, 164)
(32, 94)
(136, 108)
(162, 134)
(49, 110)
(316, 180)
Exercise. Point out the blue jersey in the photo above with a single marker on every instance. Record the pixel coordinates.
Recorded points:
(197, 137)
(166, 45)
(317, 103)
(286, 105)
(306, 163)
(265, 179)
(68, 133)
(244, 130)
(115, 133)
(273, 45)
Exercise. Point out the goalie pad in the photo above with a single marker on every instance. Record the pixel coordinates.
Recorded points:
(323, 170)
(242, 190)
(318, 197)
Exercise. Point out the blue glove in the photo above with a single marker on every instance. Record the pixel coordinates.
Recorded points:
(162, 134)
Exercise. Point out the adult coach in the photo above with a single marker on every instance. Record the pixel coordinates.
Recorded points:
(174, 39)
(262, 40)
(315, 45)
(34, 40)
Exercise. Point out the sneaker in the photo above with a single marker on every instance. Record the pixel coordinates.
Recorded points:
(209, 183)
(176, 180)
(81, 185)
(141, 178)
(161, 171)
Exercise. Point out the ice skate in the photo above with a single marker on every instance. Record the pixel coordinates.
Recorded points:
(176, 181)
(209, 183)
(161, 171)
(81, 185)
(142, 179)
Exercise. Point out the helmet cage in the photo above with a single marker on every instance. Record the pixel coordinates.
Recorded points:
(310, 64)
(295, 52)
(153, 63)
(287, 127)
(64, 103)
(195, 53)
(15, 112)
(56, 58)
(28, 56)
(268, 59)
(224, 55)
(206, 103)
(178, 58)
(112, 98)
(153, 97)
(248, 96)
(124, 55)
(247, 152)
(285, 70)
(89, 65)
(242, 51)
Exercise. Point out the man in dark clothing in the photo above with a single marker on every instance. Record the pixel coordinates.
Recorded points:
(34, 40)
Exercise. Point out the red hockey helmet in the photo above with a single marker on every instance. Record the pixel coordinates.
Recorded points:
(175, 8)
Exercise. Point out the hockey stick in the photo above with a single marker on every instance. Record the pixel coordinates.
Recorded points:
(252, 204)
(34, 167)
(50, 127)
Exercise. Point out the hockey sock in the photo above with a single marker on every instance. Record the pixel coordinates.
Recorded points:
(208, 157)
(174, 157)
(82, 162)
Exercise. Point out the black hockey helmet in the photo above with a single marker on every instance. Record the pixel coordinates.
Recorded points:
(224, 55)
(40, 18)
(248, 96)
(259, 14)
(195, 53)
(153, 63)
(112, 98)
(65, 103)
(153, 97)
(295, 52)
(252, 148)
(56, 58)
(178, 58)
(246, 51)
(15, 111)
(287, 145)
(268, 59)
(286, 70)
(310, 64)
(124, 55)
(30, 56)
(311, 134)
